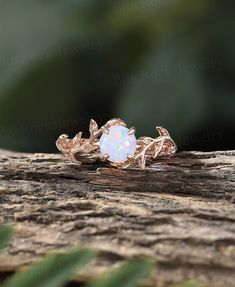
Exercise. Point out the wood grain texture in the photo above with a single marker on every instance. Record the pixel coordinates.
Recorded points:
(179, 211)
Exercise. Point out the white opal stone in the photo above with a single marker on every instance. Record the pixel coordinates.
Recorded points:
(117, 144)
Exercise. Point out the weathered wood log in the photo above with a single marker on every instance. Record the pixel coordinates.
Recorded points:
(179, 211)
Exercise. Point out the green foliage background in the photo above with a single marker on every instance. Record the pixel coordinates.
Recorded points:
(152, 62)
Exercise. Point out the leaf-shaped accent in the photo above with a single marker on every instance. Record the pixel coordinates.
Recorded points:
(77, 138)
(93, 127)
(162, 131)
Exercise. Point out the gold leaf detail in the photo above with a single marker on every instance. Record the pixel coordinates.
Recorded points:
(93, 128)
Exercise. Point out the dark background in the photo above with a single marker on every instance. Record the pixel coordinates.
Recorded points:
(162, 62)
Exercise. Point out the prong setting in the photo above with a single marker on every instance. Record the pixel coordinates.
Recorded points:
(131, 131)
(105, 130)
(130, 157)
(105, 157)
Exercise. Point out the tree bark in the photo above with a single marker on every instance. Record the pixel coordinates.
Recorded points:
(179, 211)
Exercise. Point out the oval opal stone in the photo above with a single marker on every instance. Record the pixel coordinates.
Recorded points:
(117, 144)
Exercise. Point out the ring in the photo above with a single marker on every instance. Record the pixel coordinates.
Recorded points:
(117, 144)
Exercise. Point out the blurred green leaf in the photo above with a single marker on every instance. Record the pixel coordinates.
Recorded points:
(5, 235)
(129, 275)
(54, 271)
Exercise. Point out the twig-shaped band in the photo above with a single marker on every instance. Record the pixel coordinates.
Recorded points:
(83, 150)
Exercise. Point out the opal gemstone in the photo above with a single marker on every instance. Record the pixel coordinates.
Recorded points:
(118, 144)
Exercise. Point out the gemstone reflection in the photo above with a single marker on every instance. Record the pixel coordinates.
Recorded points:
(118, 144)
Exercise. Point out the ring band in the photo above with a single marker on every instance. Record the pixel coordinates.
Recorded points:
(115, 143)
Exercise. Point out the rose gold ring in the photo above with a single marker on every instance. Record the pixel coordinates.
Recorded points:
(117, 144)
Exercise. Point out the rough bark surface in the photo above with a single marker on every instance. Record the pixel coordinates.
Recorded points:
(179, 211)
